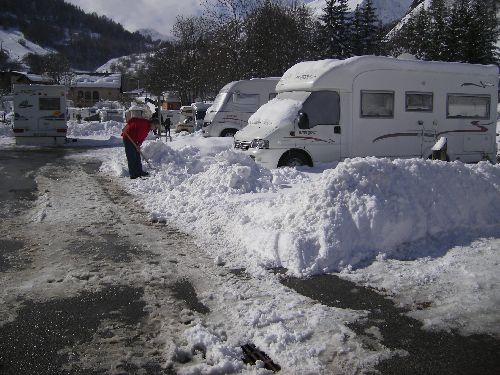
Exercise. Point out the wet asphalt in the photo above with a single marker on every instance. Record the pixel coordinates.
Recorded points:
(429, 353)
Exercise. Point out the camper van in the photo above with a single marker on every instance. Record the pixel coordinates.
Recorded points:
(330, 110)
(39, 114)
(186, 120)
(235, 103)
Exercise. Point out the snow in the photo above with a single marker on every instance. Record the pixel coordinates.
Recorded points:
(425, 233)
(113, 80)
(130, 63)
(16, 46)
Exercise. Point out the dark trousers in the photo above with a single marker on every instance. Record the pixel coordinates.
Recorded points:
(133, 159)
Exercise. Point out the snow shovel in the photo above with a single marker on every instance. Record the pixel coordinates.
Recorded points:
(140, 151)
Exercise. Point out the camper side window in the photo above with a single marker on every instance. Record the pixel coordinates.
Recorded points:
(322, 108)
(468, 106)
(49, 104)
(419, 101)
(377, 104)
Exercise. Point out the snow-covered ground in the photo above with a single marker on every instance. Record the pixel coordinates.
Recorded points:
(426, 233)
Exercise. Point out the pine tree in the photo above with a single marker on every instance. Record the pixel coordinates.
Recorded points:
(459, 22)
(438, 29)
(356, 32)
(369, 29)
(482, 33)
(336, 29)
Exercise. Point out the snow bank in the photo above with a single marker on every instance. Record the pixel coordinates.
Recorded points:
(94, 129)
(316, 222)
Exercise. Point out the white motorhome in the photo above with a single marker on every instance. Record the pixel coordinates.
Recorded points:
(330, 110)
(186, 120)
(235, 103)
(40, 114)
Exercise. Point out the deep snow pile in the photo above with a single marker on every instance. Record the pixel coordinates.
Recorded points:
(316, 222)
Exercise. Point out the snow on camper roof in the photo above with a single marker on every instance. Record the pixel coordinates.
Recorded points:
(112, 80)
(325, 74)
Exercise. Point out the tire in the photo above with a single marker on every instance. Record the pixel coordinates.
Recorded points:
(294, 159)
(228, 133)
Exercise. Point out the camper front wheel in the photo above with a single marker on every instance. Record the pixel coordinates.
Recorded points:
(294, 159)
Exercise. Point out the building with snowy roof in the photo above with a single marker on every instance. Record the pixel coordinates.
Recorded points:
(10, 78)
(86, 89)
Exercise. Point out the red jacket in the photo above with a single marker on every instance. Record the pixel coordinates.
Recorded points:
(138, 129)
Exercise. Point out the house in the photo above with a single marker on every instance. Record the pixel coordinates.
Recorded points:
(9, 78)
(86, 89)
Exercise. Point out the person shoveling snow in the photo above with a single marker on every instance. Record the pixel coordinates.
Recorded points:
(134, 134)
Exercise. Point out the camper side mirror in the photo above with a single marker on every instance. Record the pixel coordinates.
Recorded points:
(303, 120)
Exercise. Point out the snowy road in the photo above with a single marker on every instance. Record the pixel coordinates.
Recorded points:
(90, 285)
(78, 290)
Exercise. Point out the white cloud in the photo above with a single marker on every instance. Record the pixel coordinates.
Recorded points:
(139, 14)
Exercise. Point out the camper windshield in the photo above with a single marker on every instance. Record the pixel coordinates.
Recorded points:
(219, 101)
(321, 107)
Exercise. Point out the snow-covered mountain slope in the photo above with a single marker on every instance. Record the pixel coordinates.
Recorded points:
(129, 64)
(16, 46)
(386, 10)
(153, 34)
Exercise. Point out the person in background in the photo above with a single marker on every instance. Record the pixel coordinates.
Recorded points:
(134, 133)
(167, 123)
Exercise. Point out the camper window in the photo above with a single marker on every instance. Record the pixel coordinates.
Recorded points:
(468, 106)
(272, 95)
(322, 108)
(419, 101)
(49, 104)
(377, 104)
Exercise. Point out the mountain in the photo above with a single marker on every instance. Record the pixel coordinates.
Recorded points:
(386, 10)
(87, 40)
(152, 34)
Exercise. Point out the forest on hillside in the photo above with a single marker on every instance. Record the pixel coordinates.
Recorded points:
(86, 40)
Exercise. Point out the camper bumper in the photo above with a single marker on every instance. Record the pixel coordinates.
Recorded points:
(264, 156)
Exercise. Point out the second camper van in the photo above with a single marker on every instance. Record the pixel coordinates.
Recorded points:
(235, 103)
(330, 110)
(40, 114)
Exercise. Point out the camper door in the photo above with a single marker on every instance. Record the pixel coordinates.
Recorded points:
(318, 129)
(419, 108)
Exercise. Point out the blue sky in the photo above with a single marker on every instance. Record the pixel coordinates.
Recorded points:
(139, 14)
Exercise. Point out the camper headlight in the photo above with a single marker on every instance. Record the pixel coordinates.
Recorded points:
(259, 143)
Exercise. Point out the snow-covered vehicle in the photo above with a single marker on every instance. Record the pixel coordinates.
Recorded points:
(330, 110)
(186, 120)
(40, 114)
(235, 103)
(141, 111)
